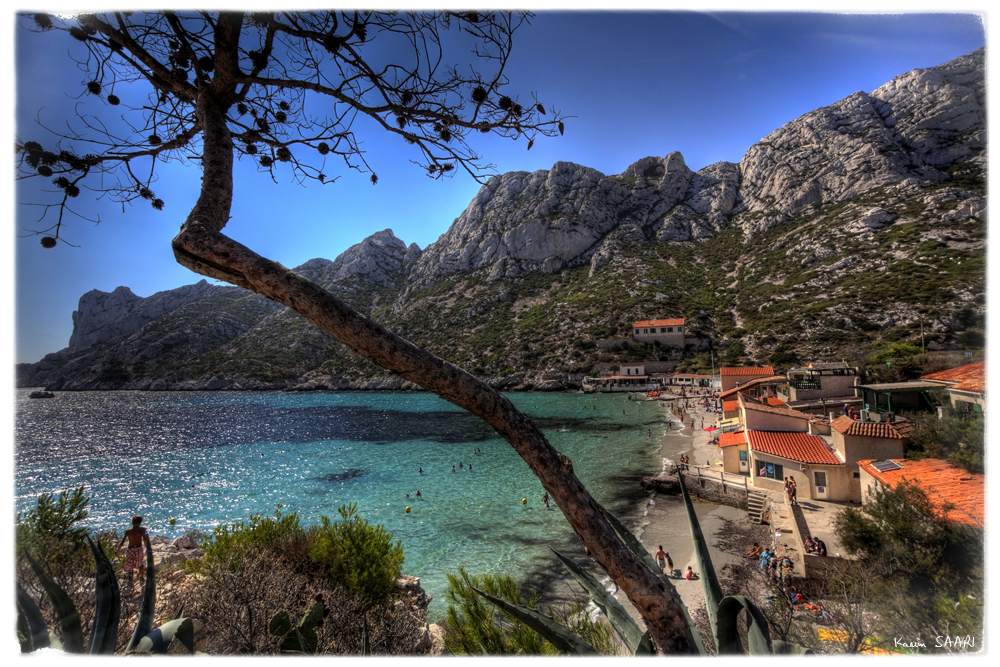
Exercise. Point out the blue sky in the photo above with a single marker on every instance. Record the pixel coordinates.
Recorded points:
(635, 83)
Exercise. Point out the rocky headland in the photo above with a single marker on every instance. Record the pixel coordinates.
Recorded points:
(858, 222)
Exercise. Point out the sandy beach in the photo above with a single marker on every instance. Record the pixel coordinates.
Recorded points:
(665, 522)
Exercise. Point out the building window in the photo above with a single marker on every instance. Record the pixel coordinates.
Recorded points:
(820, 477)
(645, 331)
(743, 455)
(770, 470)
(663, 330)
(637, 331)
(670, 329)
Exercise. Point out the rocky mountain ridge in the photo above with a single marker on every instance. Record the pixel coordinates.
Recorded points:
(800, 243)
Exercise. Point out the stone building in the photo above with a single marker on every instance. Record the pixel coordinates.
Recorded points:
(665, 332)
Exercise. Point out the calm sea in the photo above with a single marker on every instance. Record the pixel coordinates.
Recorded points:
(208, 458)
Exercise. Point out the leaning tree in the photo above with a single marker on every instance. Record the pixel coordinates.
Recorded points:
(285, 90)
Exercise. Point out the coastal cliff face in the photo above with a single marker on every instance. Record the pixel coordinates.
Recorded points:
(860, 221)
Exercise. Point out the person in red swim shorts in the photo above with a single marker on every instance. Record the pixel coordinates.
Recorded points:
(135, 555)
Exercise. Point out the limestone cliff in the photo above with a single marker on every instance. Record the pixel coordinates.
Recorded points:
(860, 221)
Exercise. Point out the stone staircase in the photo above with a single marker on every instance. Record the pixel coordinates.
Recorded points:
(756, 500)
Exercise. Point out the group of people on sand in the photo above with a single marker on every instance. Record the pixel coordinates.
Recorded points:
(775, 567)
(666, 565)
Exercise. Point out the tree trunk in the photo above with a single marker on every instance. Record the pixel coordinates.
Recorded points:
(201, 247)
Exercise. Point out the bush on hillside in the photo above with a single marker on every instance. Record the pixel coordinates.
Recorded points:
(235, 602)
(934, 565)
(959, 437)
(252, 569)
(358, 557)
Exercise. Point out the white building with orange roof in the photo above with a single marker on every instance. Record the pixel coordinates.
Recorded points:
(964, 385)
(773, 442)
(664, 332)
(733, 376)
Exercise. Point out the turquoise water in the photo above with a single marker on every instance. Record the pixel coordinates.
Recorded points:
(209, 458)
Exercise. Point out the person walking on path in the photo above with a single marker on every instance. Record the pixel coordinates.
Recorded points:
(137, 537)
(791, 497)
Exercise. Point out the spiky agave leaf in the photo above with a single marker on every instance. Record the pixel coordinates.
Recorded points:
(551, 630)
(636, 547)
(645, 646)
(159, 640)
(107, 606)
(616, 613)
(147, 608)
(65, 610)
(38, 630)
(788, 648)
(727, 635)
(703, 558)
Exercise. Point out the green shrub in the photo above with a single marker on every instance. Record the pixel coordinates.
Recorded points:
(359, 557)
(229, 544)
(51, 531)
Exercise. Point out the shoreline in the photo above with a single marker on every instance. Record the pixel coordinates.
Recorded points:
(663, 520)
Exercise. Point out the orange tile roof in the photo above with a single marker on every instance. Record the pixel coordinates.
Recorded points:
(970, 377)
(753, 405)
(731, 439)
(659, 323)
(848, 426)
(794, 446)
(746, 370)
(945, 484)
(978, 386)
(752, 383)
(776, 402)
(728, 406)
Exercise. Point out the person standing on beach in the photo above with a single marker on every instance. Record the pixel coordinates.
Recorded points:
(791, 485)
(661, 558)
(137, 537)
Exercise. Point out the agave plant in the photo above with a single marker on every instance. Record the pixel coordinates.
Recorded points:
(35, 634)
(723, 612)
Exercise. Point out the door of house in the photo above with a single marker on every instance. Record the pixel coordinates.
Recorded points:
(820, 485)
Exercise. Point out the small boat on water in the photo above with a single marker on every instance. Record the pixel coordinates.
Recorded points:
(41, 393)
(653, 394)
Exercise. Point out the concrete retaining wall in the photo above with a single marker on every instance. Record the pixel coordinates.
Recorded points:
(715, 491)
